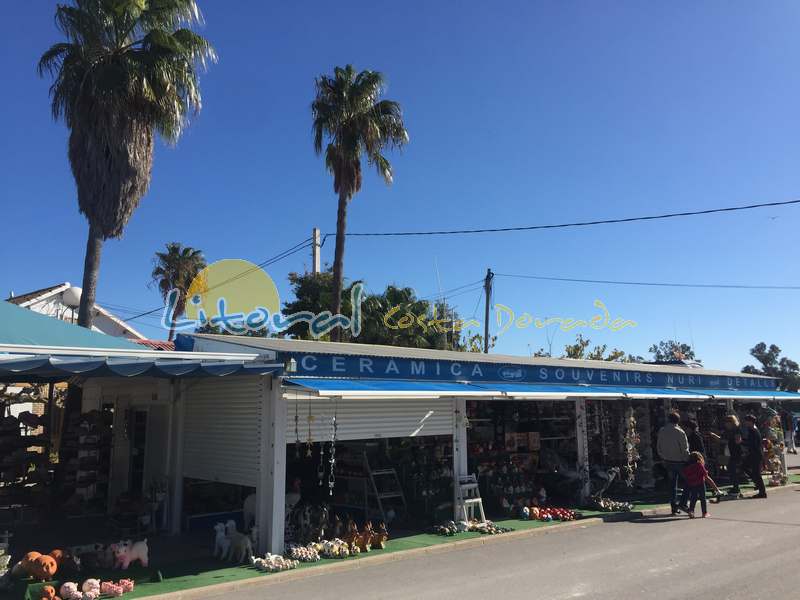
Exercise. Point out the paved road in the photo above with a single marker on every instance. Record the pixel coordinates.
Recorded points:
(747, 550)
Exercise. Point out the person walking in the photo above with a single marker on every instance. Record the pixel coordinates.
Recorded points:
(673, 448)
(754, 457)
(697, 444)
(695, 474)
(733, 437)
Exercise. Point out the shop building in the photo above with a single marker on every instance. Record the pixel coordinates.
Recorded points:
(432, 417)
(243, 427)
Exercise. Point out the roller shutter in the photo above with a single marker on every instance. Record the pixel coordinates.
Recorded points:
(221, 428)
(359, 419)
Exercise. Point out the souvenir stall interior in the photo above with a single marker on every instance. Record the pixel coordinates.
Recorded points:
(709, 416)
(406, 483)
(621, 435)
(522, 452)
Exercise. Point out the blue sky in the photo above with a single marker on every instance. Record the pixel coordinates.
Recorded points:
(519, 113)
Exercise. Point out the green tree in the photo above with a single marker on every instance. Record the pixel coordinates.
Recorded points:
(312, 293)
(775, 365)
(580, 350)
(671, 350)
(348, 113)
(127, 70)
(394, 317)
(175, 269)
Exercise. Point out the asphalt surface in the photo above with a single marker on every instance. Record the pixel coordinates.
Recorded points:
(748, 549)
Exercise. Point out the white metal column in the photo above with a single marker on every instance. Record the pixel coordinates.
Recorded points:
(271, 489)
(460, 449)
(581, 436)
(176, 508)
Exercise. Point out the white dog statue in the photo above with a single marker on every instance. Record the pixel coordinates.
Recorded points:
(222, 544)
(241, 548)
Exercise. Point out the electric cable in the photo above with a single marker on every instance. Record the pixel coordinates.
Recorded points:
(566, 225)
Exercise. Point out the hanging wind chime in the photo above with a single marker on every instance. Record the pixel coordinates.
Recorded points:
(309, 440)
(631, 442)
(332, 460)
(321, 466)
(296, 427)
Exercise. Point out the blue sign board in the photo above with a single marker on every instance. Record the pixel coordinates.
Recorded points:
(381, 367)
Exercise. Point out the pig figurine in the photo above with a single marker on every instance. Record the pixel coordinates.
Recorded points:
(127, 552)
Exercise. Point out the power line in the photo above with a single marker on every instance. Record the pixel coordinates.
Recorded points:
(447, 292)
(285, 254)
(655, 284)
(566, 225)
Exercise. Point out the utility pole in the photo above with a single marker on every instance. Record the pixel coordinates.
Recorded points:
(315, 248)
(487, 287)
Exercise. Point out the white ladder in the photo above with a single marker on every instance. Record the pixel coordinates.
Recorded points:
(469, 499)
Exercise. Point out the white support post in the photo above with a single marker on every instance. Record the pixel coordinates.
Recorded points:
(271, 489)
(176, 508)
(581, 436)
(459, 448)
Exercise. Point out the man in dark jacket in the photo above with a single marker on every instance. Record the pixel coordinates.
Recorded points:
(754, 454)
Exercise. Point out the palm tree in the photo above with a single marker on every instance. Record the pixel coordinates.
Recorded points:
(175, 269)
(347, 110)
(127, 70)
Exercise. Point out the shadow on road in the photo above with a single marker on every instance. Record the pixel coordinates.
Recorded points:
(654, 520)
(782, 524)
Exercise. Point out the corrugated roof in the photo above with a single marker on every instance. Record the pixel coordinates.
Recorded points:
(23, 298)
(26, 327)
(157, 344)
(337, 348)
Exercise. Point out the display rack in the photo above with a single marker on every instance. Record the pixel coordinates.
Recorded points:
(24, 464)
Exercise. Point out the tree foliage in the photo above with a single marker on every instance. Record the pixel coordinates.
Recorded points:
(126, 70)
(672, 350)
(775, 365)
(175, 269)
(580, 350)
(394, 317)
(349, 115)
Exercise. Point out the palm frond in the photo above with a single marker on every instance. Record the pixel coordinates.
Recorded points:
(347, 112)
(125, 72)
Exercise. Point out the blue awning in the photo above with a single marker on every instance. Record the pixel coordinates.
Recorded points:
(53, 367)
(400, 387)
(390, 387)
(547, 391)
(751, 394)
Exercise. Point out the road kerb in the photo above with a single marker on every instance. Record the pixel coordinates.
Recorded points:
(375, 559)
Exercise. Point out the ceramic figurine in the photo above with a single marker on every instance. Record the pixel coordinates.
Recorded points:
(127, 552)
(380, 536)
(351, 537)
(222, 543)
(241, 546)
(365, 538)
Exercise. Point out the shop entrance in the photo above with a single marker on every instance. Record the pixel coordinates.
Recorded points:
(406, 483)
(523, 452)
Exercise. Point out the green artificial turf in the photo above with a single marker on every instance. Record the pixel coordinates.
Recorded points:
(209, 571)
(200, 573)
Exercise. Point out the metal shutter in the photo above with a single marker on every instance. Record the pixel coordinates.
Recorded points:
(221, 428)
(359, 419)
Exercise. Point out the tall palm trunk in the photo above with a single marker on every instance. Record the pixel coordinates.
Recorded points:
(180, 307)
(338, 263)
(91, 269)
